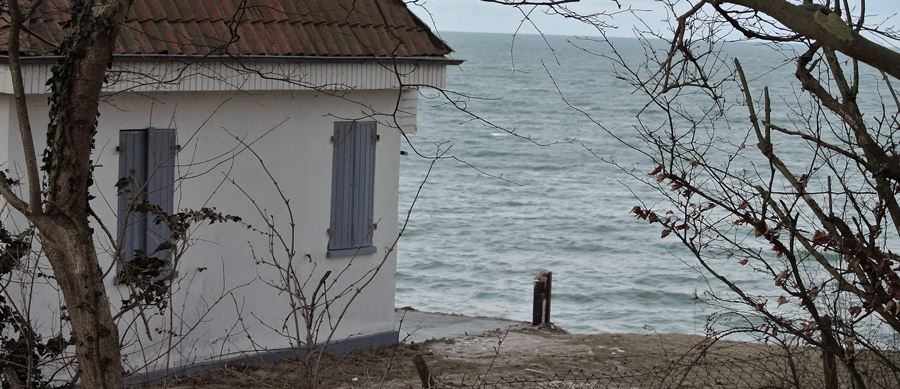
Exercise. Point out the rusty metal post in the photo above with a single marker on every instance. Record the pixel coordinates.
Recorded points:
(548, 287)
(537, 311)
(541, 309)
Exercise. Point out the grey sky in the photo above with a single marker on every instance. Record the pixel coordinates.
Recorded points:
(478, 16)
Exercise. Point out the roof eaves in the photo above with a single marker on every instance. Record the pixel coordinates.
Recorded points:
(4, 59)
(435, 39)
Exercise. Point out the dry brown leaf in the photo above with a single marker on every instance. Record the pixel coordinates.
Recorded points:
(813, 293)
(783, 300)
(820, 237)
(781, 277)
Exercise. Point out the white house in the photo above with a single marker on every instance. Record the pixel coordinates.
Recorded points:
(287, 113)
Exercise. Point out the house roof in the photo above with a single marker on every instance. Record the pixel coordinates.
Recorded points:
(318, 28)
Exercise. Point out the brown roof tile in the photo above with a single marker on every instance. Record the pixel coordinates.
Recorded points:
(333, 28)
(215, 13)
(157, 12)
(201, 14)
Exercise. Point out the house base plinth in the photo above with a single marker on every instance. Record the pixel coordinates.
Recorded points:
(260, 357)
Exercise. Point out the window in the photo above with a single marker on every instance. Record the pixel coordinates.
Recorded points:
(146, 178)
(352, 189)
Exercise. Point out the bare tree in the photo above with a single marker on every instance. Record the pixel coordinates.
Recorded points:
(818, 224)
(803, 193)
(59, 211)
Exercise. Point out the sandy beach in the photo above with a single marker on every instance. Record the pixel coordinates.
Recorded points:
(524, 356)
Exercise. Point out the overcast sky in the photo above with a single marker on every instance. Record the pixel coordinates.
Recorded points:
(478, 16)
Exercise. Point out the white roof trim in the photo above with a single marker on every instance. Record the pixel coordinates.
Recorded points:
(174, 76)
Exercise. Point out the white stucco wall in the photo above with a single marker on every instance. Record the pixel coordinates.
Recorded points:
(226, 301)
(5, 116)
(10, 152)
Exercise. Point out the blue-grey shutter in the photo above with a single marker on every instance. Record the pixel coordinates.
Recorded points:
(340, 193)
(132, 167)
(363, 183)
(160, 188)
(146, 159)
(353, 189)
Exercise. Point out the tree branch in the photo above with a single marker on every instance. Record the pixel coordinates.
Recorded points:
(819, 23)
(31, 167)
(525, 2)
(10, 197)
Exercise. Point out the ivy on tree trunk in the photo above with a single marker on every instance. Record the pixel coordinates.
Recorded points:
(61, 212)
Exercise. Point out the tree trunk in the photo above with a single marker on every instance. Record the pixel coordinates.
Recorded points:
(62, 218)
(96, 336)
(65, 232)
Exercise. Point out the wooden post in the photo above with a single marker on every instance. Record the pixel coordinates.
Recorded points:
(537, 310)
(548, 285)
(542, 288)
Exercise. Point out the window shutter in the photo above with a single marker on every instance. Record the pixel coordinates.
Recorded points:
(364, 183)
(353, 189)
(132, 167)
(147, 173)
(341, 192)
(160, 190)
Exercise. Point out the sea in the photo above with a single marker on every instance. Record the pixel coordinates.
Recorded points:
(519, 166)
